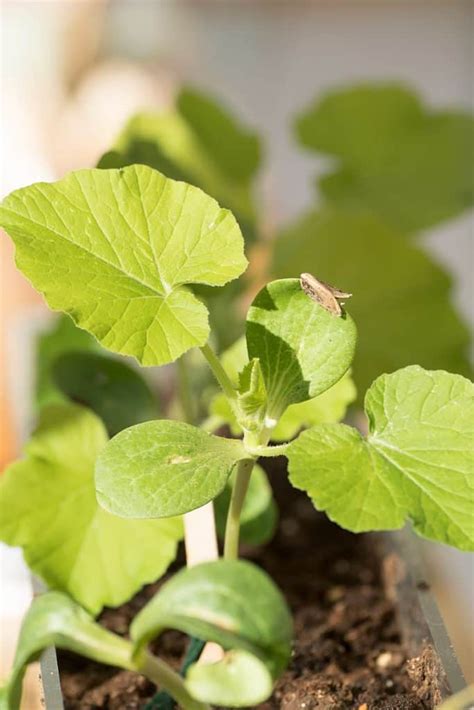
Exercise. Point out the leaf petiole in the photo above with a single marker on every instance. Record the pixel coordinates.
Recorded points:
(165, 677)
(239, 491)
(219, 373)
(267, 451)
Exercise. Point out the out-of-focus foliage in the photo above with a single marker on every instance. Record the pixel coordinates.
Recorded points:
(401, 298)
(408, 163)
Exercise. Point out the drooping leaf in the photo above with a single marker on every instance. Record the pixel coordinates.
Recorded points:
(236, 605)
(400, 296)
(163, 468)
(417, 461)
(116, 249)
(329, 407)
(410, 164)
(303, 349)
(62, 337)
(55, 620)
(49, 509)
(115, 391)
(259, 513)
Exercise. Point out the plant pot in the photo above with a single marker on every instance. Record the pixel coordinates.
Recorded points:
(369, 634)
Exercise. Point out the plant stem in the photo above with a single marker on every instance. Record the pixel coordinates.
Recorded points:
(267, 451)
(232, 528)
(219, 373)
(165, 677)
(184, 391)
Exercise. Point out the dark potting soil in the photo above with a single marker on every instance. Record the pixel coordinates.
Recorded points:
(348, 650)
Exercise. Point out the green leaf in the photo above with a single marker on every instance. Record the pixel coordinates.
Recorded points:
(163, 468)
(55, 620)
(62, 337)
(116, 248)
(303, 349)
(331, 406)
(236, 605)
(417, 172)
(201, 143)
(234, 150)
(252, 396)
(259, 513)
(115, 391)
(49, 508)
(417, 461)
(400, 296)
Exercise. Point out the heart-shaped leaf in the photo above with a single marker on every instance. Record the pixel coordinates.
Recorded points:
(115, 391)
(49, 508)
(236, 605)
(116, 248)
(416, 173)
(303, 349)
(417, 462)
(259, 514)
(163, 468)
(401, 300)
(55, 620)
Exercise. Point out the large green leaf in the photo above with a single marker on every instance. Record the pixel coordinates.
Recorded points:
(259, 512)
(61, 337)
(417, 461)
(48, 507)
(400, 296)
(116, 248)
(236, 605)
(112, 389)
(163, 468)
(303, 349)
(407, 162)
(55, 620)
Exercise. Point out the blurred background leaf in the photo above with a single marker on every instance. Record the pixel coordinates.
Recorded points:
(401, 297)
(408, 163)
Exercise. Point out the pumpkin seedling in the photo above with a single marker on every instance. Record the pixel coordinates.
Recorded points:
(121, 251)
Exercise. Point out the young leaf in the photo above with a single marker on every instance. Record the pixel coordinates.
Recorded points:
(163, 468)
(417, 462)
(419, 170)
(303, 349)
(236, 605)
(55, 620)
(49, 508)
(62, 337)
(259, 513)
(401, 301)
(116, 248)
(329, 407)
(252, 397)
(115, 391)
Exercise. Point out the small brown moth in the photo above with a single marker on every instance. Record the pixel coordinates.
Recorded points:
(324, 294)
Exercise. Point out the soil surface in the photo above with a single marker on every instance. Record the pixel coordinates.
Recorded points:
(348, 652)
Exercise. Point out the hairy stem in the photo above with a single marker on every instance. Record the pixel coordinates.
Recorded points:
(232, 528)
(267, 451)
(219, 373)
(165, 677)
